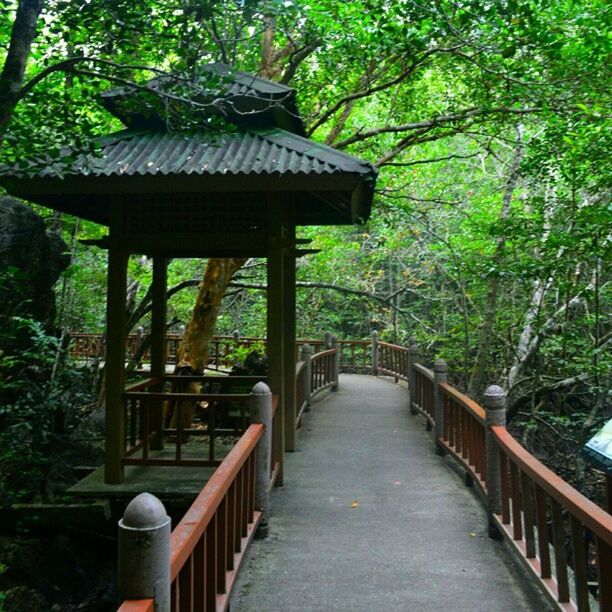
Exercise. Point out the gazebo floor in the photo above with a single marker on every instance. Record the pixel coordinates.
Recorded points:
(166, 482)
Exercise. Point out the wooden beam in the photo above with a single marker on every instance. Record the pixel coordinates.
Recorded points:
(116, 321)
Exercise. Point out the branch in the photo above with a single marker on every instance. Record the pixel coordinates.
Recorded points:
(375, 89)
(437, 122)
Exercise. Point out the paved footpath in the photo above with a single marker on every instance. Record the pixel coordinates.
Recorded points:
(371, 519)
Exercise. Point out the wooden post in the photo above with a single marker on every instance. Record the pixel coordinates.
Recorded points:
(306, 354)
(275, 345)
(413, 356)
(495, 402)
(336, 363)
(440, 376)
(328, 340)
(261, 412)
(289, 333)
(375, 353)
(158, 344)
(116, 321)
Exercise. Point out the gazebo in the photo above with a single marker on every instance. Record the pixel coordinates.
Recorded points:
(235, 191)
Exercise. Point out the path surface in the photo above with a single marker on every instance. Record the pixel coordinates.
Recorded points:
(371, 519)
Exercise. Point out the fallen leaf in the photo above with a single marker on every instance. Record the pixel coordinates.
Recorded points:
(473, 534)
(355, 504)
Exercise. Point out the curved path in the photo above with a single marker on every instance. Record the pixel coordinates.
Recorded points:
(371, 519)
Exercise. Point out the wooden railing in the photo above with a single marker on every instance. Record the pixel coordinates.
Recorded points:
(155, 413)
(393, 360)
(208, 544)
(541, 511)
(323, 371)
(422, 396)
(463, 432)
(564, 539)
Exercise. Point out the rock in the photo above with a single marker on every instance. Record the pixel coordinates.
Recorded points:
(33, 256)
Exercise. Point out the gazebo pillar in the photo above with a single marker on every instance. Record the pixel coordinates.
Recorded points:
(158, 342)
(289, 334)
(275, 327)
(116, 320)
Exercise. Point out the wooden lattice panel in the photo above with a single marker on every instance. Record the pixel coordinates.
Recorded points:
(180, 213)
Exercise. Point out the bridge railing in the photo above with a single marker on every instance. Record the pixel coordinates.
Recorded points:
(564, 539)
(206, 547)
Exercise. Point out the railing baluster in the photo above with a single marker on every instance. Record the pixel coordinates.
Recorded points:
(542, 523)
(221, 538)
(528, 515)
(185, 586)
(505, 487)
(560, 554)
(517, 524)
(580, 566)
(211, 565)
(231, 521)
(199, 574)
(604, 571)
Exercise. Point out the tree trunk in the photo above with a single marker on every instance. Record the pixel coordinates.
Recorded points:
(476, 385)
(11, 78)
(193, 351)
(194, 347)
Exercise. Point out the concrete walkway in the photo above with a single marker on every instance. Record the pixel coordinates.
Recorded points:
(371, 519)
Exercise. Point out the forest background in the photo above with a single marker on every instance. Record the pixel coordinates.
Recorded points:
(490, 234)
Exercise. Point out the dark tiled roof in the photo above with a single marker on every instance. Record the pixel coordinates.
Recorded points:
(242, 98)
(271, 152)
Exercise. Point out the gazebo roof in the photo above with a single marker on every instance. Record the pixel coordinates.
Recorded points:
(205, 167)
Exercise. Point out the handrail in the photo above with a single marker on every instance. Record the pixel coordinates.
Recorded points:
(587, 512)
(208, 544)
(137, 605)
(423, 370)
(475, 409)
(186, 534)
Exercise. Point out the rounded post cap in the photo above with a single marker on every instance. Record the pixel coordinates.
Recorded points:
(145, 511)
(412, 342)
(261, 388)
(375, 334)
(306, 348)
(495, 397)
(236, 333)
(440, 365)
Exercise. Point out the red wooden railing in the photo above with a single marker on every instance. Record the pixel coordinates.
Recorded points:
(541, 511)
(209, 543)
(463, 432)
